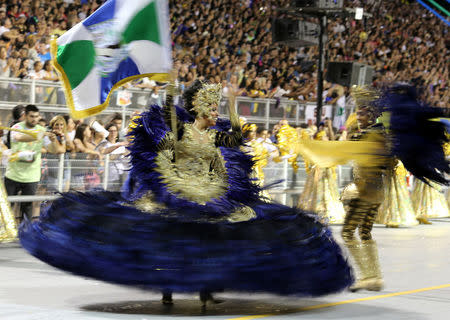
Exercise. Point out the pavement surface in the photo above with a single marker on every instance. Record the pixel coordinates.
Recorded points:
(415, 262)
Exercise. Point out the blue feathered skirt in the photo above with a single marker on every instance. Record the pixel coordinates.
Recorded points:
(99, 235)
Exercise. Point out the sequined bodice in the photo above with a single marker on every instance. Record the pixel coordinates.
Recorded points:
(193, 169)
(196, 170)
(196, 151)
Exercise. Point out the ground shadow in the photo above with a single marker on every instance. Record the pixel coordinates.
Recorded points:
(192, 307)
(245, 307)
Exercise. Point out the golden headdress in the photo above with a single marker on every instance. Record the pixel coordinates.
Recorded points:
(249, 127)
(363, 95)
(208, 95)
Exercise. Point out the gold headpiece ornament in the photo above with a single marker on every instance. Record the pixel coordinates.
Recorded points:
(208, 95)
(242, 121)
(249, 127)
(363, 95)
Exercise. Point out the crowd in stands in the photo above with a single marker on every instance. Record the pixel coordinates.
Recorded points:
(230, 41)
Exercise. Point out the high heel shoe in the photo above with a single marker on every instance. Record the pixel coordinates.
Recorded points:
(423, 220)
(167, 299)
(206, 296)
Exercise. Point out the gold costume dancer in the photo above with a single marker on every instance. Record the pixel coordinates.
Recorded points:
(428, 202)
(397, 209)
(257, 150)
(365, 201)
(287, 138)
(8, 227)
(321, 193)
(372, 151)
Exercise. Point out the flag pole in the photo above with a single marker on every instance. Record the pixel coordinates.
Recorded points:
(171, 92)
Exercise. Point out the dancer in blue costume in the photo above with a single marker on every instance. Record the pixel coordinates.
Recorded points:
(190, 219)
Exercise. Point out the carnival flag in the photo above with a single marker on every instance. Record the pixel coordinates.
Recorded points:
(121, 41)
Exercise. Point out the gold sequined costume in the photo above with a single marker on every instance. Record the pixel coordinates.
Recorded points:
(363, 207)
(259, 153)
(287, 137)
(396, 209)
(321, 194)
(193, 167)
(428, 201)
(8, 227)
(375, 145)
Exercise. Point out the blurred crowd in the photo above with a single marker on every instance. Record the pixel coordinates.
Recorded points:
(84, 145)
(230, 41)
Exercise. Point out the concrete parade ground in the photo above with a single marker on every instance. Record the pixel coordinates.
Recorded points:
(415, 262)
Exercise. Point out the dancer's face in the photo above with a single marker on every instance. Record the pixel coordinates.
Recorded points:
(363, 118)
(213, 115)
(252, 135)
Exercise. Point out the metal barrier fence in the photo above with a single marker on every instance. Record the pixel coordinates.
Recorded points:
(49, 96)
(79, 172)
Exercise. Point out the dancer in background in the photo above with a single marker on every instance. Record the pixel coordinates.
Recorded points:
(8, 227)
(256, 149)
(321, 193)
(396, 209)
(362, 206)
(428, 198)
(287, 138)
(428, 202)
(409, 133)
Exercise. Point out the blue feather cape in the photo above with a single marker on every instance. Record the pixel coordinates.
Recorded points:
(416, 137)
(184, 248)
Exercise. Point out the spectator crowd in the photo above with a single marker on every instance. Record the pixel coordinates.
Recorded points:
(230, 41)
(92, 154)
(222, 41)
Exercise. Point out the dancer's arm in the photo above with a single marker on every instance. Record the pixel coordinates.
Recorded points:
(233, 138)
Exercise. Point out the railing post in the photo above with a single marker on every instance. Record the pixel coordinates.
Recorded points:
(60, 179)
(106, 172)
(297, 113)
(267, 114)
(339, 177)
(33, 91)
(285, 180)
(124, 116)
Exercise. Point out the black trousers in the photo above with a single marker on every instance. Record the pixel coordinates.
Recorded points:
(27, 189)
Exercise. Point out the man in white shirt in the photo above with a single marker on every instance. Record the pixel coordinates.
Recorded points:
(24, 174)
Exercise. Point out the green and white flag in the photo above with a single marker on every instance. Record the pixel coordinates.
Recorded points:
(121, 41)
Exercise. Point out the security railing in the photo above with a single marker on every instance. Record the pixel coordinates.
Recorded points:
(80, 172)
(49, 96)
